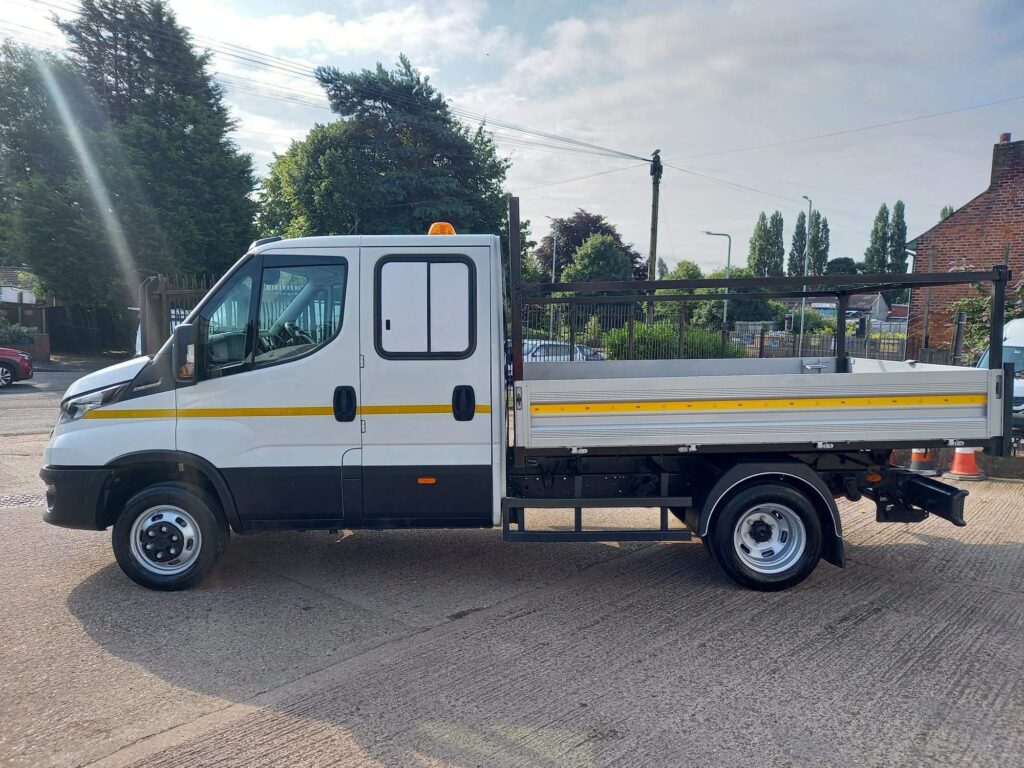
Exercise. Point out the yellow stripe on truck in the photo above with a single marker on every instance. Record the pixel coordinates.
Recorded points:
(759, 404)
(228, 413)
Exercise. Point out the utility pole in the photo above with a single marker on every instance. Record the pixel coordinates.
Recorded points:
(652, 255)
(807, 257)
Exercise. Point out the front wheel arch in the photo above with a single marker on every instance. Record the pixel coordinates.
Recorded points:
(135, 471)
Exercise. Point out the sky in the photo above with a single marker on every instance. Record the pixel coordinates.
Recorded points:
(726, 91)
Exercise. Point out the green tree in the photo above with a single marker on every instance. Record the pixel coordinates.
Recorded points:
(181, 172)
(572, 231)
(708, 314)
(776, 256)
(876, 257)
(600, 258)
(795, 264)
(683, 270)
(817, 244)
(841, 266)
(662, 268)
(897, 259)
(758, 257)
(396, 161)
(116, 158)
(946, 212)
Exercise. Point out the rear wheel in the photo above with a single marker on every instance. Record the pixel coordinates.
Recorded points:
(767, 537)
(169, 536)
(6, 375)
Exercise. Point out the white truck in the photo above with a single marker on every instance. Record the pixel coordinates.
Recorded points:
(362, 382)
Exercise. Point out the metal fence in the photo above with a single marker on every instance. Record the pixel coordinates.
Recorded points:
(631, 331)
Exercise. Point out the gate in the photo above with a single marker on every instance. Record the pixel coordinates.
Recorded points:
(164, 302)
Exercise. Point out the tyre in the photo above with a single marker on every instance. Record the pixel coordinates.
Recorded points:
(7, 375)
(767, 537)
(169, 536)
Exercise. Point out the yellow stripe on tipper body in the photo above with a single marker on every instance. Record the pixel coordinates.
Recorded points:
(758, 404)
(244, 413)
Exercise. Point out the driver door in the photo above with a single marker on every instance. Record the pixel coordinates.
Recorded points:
(275, 405)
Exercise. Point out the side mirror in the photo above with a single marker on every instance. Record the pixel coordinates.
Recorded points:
(183, 351)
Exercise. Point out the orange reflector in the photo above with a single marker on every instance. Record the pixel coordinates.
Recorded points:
(873, 477)
(441, 228)
(426, 480)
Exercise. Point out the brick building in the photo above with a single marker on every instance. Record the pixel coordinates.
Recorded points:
(986, 231)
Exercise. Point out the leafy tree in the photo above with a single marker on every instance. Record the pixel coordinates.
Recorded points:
(795, 264)
(841, 266)
(817, 244)
(396, 161)
(153, 182)
(662, 268)
(876, 257)
(758, 258)
(600, 258)
(776, 246)
(167, 117)
(946, 212)
(572, 231)
(708, 314)
(678, 310)
(897, 260)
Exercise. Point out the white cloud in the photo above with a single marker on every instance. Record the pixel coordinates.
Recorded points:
(688, 78)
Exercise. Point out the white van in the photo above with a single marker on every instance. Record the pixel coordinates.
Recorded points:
(359, 382)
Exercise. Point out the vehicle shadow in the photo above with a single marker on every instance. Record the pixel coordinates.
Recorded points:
(464, 650)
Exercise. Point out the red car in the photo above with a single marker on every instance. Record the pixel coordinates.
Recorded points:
(15, 365)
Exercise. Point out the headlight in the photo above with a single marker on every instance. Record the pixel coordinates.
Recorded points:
(25, 355)
(76, 407)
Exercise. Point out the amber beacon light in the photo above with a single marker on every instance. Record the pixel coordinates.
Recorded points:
(441, 228)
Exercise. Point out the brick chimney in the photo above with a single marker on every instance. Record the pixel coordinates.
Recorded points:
(1007, 160)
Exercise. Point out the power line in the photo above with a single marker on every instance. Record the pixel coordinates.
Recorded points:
(251, 57)
(581, 178)
(860, 129)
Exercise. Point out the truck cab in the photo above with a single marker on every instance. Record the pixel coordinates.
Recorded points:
(325, 382)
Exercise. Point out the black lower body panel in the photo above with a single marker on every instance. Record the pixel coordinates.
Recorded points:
(73, 496)
(268, 495)
(453, 496)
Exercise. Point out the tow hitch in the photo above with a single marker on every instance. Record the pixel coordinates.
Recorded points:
(906, 497)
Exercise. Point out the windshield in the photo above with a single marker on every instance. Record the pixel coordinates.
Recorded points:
(1013, 355)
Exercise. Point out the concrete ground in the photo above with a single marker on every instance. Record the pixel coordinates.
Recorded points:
(451, 648)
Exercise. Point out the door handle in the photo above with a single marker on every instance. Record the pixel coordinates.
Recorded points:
(345, 403)
(463, 403)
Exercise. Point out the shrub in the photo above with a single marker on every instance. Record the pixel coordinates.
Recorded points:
(15, 334)
(660, 341)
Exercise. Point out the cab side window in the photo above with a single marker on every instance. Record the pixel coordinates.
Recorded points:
(301, 309)
(224, 325)
(425, 307)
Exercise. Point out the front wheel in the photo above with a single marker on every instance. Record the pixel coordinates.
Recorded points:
(767, 537)
(169, 536)
(6, 375)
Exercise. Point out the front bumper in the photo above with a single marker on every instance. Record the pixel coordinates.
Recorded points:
(73, 496)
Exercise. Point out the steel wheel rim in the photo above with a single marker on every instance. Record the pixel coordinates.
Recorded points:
(165, 540)
(769, 538)
(6, 377)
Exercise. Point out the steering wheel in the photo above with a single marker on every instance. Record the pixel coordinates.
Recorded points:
(297, 335)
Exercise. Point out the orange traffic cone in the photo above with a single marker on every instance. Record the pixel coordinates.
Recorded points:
(922, 461)
(965, 465)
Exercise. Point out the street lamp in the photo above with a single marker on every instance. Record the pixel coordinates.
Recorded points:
(728, 267)
(554, 269)
(807, 256)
